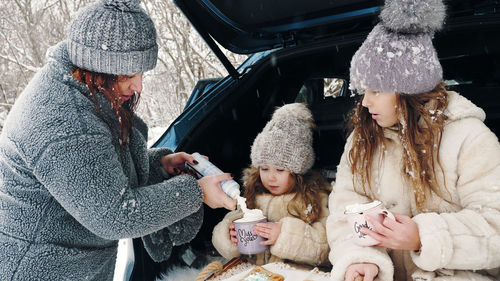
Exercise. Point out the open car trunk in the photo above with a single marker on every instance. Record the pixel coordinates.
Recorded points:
(293, 74)
(298, 76)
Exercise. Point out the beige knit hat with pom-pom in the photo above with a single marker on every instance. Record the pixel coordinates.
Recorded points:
(286, 140)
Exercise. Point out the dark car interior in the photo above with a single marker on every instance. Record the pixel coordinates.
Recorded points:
(470, 58)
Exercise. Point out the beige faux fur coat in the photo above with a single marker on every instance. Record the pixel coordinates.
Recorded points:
(298, 241)
(460, 241)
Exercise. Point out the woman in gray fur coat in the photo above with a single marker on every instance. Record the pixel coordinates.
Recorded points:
(75, 172)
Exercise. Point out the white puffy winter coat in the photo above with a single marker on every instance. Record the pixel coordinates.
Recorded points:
(460, 241)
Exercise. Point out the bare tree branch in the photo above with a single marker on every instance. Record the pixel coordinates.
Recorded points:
(27, 67)
(29, 27)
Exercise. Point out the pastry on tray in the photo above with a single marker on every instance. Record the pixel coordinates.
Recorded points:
(261, 274)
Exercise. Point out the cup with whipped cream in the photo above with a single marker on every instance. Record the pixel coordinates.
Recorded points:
(356, 216)
(248, 241)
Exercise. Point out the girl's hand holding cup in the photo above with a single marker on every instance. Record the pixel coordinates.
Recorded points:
(270, 231)
(233, 234)
(400, 233)
(359, 216)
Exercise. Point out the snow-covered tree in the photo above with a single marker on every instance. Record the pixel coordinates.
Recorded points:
(29, 27)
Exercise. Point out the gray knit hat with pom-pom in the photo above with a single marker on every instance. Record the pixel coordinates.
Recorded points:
(286, 140)
(113, 37)
(398, 54)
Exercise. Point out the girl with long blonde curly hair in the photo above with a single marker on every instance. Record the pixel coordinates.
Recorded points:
(420, 122)
(421, 150)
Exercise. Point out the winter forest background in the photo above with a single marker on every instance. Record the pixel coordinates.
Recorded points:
(29, 27)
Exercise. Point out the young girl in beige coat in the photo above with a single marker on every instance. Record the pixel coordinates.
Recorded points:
(425, 153)
(292, 197)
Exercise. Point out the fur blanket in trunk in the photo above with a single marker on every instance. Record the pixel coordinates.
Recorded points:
(180, 273)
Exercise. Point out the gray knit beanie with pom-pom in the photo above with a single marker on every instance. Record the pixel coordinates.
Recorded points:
(286, 140)
(398, 54)
(113, 37)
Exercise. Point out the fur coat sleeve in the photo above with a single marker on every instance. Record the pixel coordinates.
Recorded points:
(156, 171)
(303, 242)
(470, 238)
(84, 174)
(343, 251)
(221, 238)
(159, 244)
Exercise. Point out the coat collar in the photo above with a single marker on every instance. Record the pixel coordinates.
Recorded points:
(458, 108)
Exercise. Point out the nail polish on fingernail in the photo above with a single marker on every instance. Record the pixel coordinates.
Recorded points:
(176, 170)
(196, 162)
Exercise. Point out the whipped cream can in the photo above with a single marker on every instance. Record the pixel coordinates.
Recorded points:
(206, 168)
